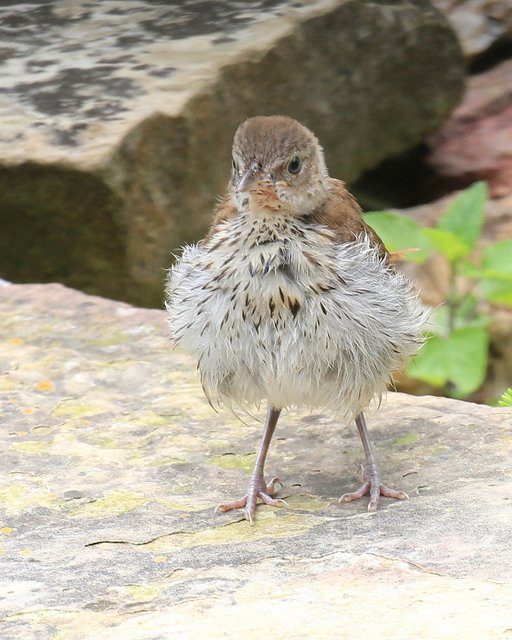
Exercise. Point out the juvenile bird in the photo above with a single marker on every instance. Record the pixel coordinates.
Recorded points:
(291, 298)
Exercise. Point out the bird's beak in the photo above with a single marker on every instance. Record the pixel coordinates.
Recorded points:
(251, 178)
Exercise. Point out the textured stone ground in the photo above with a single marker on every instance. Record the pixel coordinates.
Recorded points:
(112, 461)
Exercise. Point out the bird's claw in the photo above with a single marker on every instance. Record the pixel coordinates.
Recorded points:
(257, 490)
(372, 484)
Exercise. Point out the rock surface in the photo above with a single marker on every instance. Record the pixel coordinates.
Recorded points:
(117, 118)
(479, 24)
(111, 461)
(476, 142)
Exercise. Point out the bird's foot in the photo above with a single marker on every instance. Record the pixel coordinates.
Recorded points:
(372, 484)
(257, 489)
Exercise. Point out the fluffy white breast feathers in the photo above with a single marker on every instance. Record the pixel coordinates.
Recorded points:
(274, 309)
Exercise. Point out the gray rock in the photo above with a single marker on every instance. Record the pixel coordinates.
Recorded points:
(117, 118)
(111, 462)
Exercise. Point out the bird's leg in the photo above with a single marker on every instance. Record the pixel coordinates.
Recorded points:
(372, 483)
(257, 487)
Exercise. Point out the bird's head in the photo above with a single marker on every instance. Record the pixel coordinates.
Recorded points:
(278, 167)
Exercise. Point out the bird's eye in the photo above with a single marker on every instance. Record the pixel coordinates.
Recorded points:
(235, 168)
(294, 165)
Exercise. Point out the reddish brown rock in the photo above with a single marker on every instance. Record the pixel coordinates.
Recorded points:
(476, 142)
(479, 24)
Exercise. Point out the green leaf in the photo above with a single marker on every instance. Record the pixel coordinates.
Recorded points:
(506, 398)
(447, 243)
(470, 271)
(466, 315)
(398, 232)
(496, 272)
(464, 216)
(493, 275)
(469, 351)
(498, 257)
(497, 291)
(430, 362)
(459, 359)
(439, 319)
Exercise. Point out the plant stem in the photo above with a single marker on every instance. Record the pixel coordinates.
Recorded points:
(452, 298)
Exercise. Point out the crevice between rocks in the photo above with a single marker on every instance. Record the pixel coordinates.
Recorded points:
(407, 179)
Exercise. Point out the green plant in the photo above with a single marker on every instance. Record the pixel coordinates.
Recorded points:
(506, 398)
(455, 356)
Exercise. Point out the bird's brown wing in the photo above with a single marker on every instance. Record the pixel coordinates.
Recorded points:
(225, 210)
(342, 213)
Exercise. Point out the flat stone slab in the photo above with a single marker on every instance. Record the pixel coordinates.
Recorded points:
(112, 462)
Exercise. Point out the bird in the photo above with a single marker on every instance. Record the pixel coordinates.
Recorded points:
(291, 299)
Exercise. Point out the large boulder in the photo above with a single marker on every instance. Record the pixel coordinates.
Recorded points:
(117, 118)
(111, 462)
